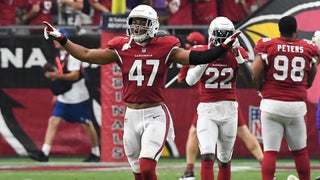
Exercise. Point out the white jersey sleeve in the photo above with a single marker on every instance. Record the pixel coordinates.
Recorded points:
(73, 64)
(194, 74)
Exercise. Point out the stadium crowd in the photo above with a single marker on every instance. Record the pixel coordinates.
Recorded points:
(88, 12)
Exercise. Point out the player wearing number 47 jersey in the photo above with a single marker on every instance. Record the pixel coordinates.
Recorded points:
(144, 60)
(283, 69)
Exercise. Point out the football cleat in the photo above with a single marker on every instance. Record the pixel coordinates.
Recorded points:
(38, 156)
(292, 177)
(92, 158)
(188, 176)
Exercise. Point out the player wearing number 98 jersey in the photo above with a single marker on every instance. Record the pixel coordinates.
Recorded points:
(283, 69)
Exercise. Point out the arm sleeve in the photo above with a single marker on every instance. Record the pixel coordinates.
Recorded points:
(194, 74)
(207, 56)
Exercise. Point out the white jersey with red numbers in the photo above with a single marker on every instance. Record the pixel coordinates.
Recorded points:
(287, 65)
(144, 68)
(218, 82)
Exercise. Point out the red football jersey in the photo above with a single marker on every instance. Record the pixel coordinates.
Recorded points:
(144, 68)
(45, 13)
(184, 14)
(218, 82)
(7, 13)
(287, 64)
(96, 18)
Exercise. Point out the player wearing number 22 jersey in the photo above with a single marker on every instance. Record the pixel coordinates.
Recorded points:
(218, 107)
(283, 69)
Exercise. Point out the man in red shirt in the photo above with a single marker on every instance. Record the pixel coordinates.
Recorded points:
(99, 6)
(283, 69)
(204, 11)
(180, 12)
(38, 11)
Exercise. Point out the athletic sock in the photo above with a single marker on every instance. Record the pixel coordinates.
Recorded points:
(46, 149)
(224, 172)
(268, 165)
(137, 176)
(148, 168)
(190, 168)
(95, 151)
(301, 159)
(207, 172)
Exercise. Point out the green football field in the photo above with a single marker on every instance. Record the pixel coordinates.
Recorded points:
(167, 169)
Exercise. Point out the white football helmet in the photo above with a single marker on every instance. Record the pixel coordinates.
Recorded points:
(151, 27)
(220, 28)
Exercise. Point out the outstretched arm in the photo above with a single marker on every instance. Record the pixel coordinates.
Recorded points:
(187, 57)
(96, 56)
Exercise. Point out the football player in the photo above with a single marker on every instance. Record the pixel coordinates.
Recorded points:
(144, 60)
(283, 69)
(218, 107)
(196, 38)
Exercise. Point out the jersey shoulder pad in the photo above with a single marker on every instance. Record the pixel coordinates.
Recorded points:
(118, 41)
(168, 41)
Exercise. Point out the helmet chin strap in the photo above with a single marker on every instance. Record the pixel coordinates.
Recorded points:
(126, 46)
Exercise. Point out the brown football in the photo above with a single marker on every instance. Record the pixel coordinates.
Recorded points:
(48, 67)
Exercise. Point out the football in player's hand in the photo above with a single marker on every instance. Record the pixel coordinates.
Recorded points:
(48, 67)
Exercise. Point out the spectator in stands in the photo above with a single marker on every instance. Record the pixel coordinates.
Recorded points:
(104, 6)
(7, 13)
(204, 11)
(99, 7)
(71, 106)
(180, 12)
(161, 7)
(240, 10)
(253, 5)
(37, 12)
(86, 13)
(69, 14)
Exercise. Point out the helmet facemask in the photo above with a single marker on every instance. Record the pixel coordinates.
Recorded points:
(142, 32)
(219, 36)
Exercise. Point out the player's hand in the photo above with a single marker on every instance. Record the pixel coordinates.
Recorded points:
(231, 42)
(316, 38)
(236, 53)
(53, 33)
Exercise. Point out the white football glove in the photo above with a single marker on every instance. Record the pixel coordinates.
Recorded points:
(231, 42)
(316, 39)
(236, 53)
(51, 32)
